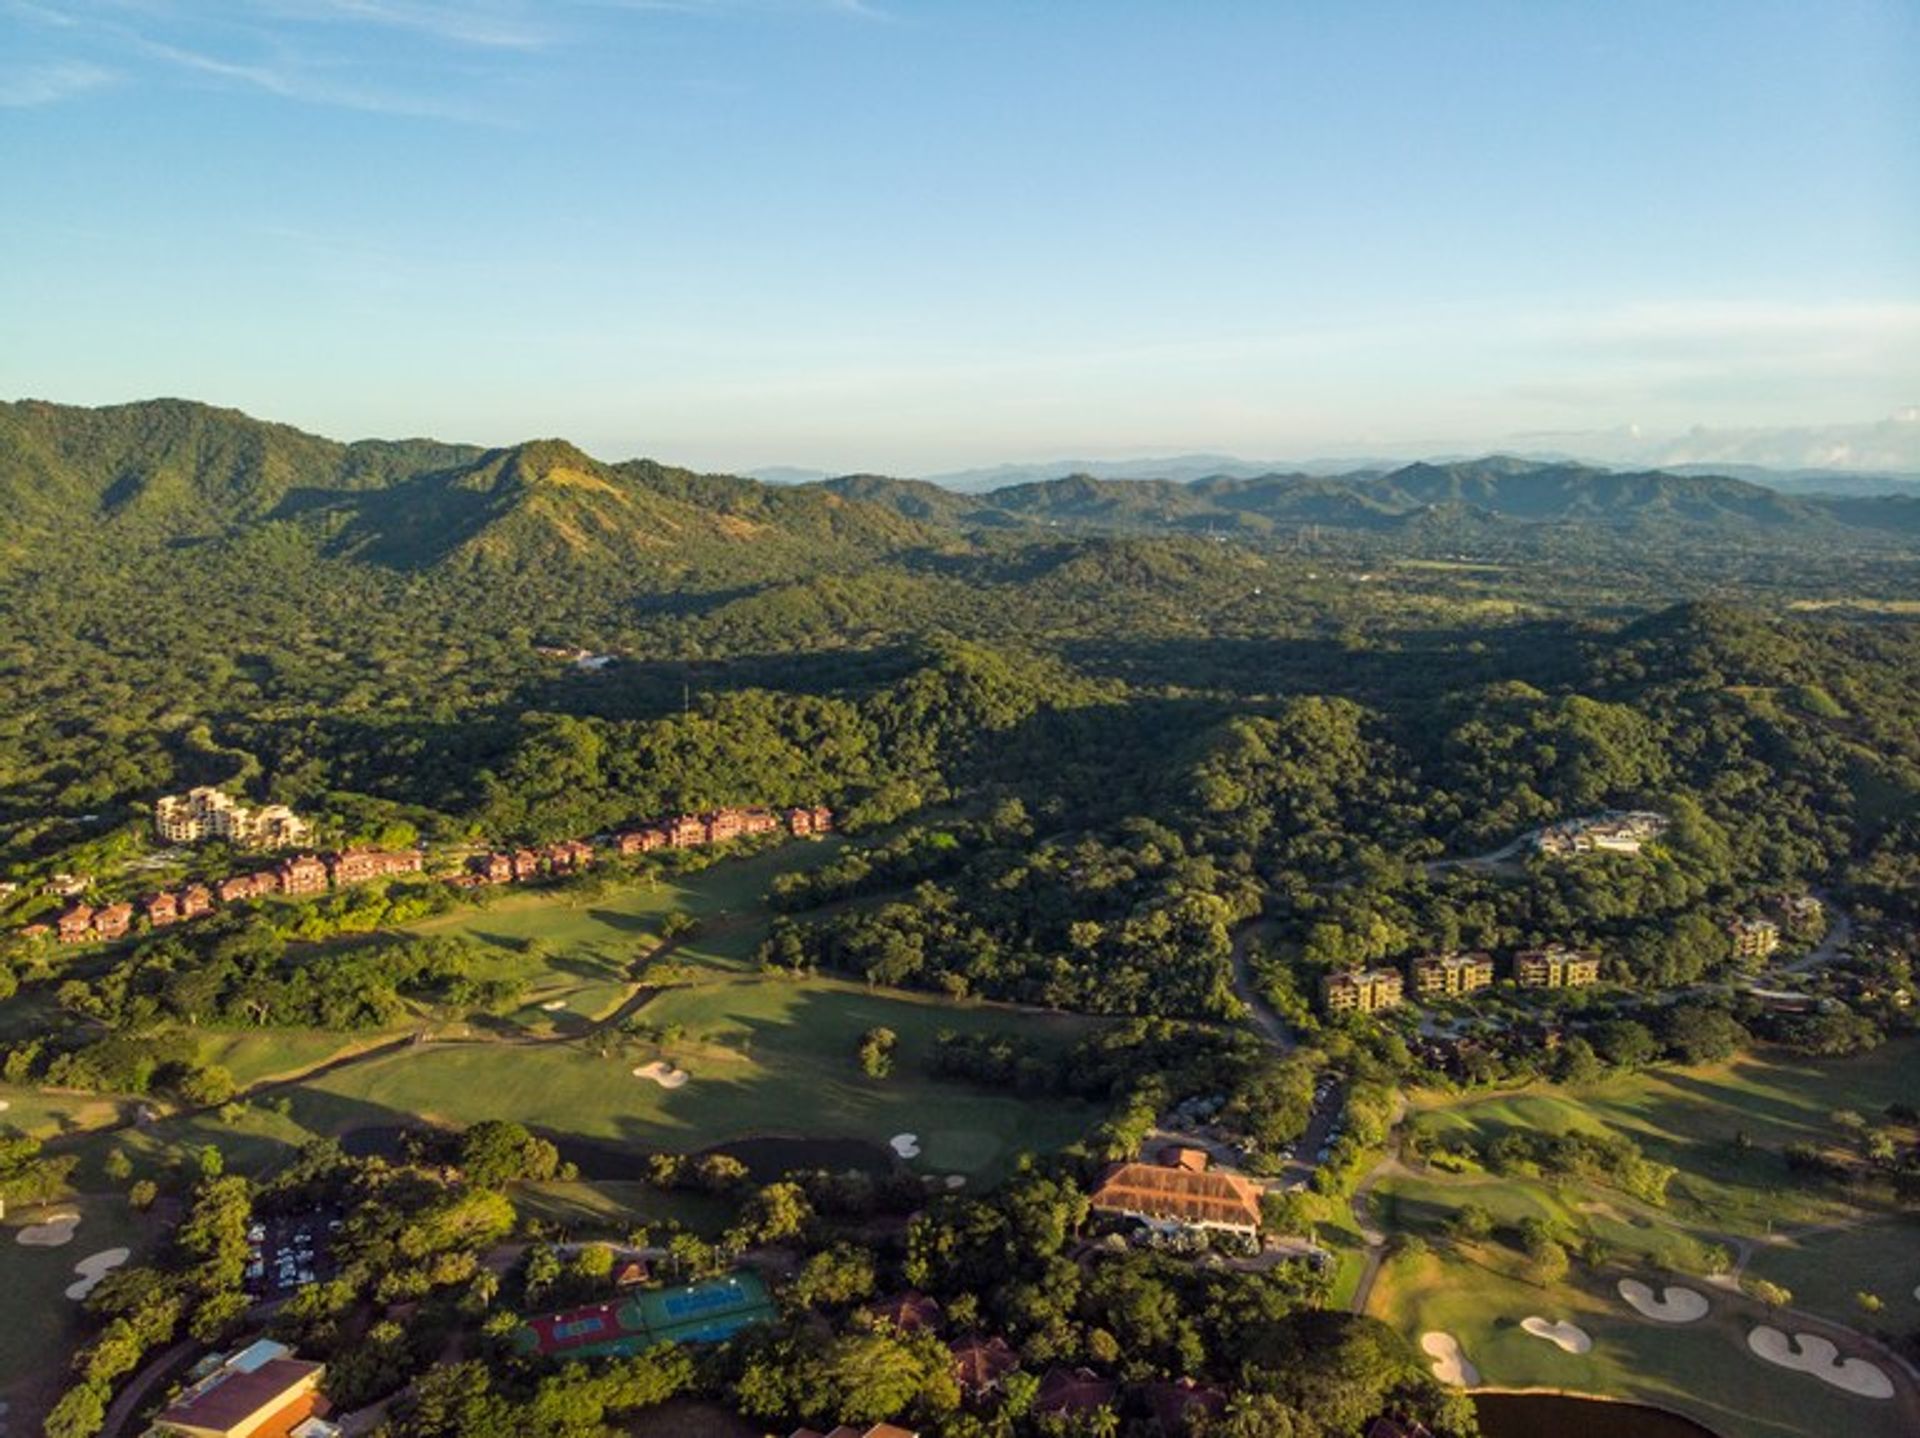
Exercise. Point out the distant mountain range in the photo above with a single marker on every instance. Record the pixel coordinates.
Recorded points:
(1500, 490)
(168, 473)
(1878, 458)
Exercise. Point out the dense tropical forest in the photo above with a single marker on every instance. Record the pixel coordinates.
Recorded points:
(1095, 743)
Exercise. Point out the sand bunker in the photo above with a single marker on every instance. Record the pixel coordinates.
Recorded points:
(907, 1145)
(53, 1231)
(956, 1180)
(1671, 1305)
(1450, 1365)
(94, 1268)
(1568, 1337)
(554, 1006)
(1810, 1353)
(664, 1074)
(4, 1106)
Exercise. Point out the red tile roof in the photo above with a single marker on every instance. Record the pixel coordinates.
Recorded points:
(1180, 1194)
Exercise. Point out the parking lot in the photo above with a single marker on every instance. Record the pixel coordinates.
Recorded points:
(286, 1252)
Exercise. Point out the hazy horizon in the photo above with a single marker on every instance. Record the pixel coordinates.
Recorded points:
(917, 238)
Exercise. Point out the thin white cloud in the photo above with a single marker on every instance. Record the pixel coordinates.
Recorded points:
(507, 27)
(24, 86)
(294, 83)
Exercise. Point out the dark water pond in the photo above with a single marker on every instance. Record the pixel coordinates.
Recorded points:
(1545, 1415)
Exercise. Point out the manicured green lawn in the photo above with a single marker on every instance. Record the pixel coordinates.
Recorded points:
(1703, 1369)
(765, 1056)
(39, 1325)
(46, 1115)
(1825, 1270)
(1695, 1119)
(612, 1207)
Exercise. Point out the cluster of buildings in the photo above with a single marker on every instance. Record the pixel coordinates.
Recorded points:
(690, 831)
(1450, 975)
(262, 1391)
(207, 813)
(517, 866)
(1615, 831)
(982, 1363)
(684, 831)
(300, 874)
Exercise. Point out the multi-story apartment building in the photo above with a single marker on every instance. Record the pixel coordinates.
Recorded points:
(1438, 975)
(1364, 990)
(1555, 967)
(357, 866)
(207, 813)
(1754, 938)
(302, 874)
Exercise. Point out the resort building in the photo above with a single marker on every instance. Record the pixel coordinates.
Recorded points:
(113, 921)
(1614, 832)
(161, 909)
(816, 820)
(262, 1391)
(207, 813)
(1754, 938)
(75, 925)
(1175, 1198)
(1437, 975)
(1362, 990)
(1555, 967)
(1074, 1391)
(358, 866)
(304, 874)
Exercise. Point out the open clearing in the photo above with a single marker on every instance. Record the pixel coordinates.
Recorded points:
(39, 1324)
(1680, 1346)
(1705, 1370)
(769, 1056)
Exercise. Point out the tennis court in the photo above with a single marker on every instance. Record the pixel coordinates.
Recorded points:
(705, 1312)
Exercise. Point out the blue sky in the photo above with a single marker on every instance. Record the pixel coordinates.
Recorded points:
(903, 235)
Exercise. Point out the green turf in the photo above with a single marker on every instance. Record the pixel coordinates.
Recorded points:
(40, 1326)
(611, 1208)
(1692, 1119)
(48, 1115)
(1702, 1369)
(765, 1055)
(1824, 1272)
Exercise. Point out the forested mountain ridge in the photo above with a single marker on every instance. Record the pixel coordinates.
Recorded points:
(167, 471)
(1491, 490)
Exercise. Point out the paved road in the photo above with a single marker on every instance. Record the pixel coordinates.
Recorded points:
(1271, 1026)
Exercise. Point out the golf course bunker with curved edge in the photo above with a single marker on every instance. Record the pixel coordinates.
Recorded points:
(1812, 1354)
(907, 1145)
(1670, 1305)
(95, 1267)
(1450, 1363)
(1567, 1337)
(53, 1231)
(664, 1074)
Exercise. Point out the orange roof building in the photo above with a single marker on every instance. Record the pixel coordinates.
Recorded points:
(260, 1392)
(1170, 1197)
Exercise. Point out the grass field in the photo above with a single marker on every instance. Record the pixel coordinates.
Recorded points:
(1693, 1119)
(39, 1324)
(766, 1055)
(1725, 1191)
(1824, 1271)
(1702, 1369)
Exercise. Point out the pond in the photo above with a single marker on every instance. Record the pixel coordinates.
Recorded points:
(1553, 1415)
